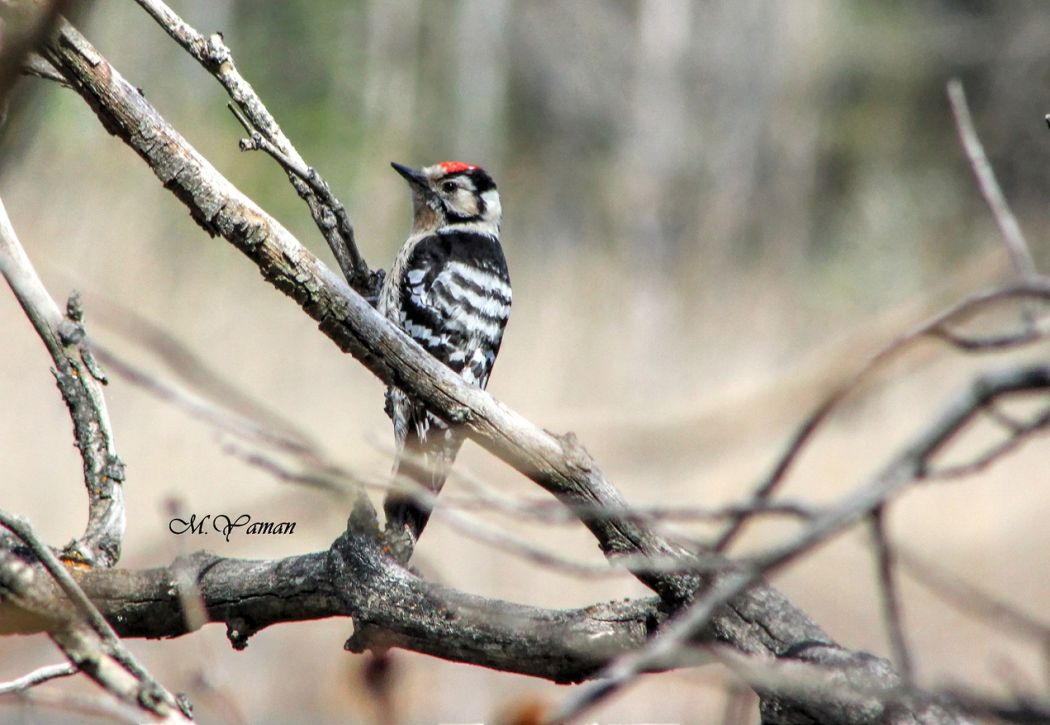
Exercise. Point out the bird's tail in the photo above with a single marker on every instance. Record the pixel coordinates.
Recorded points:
(422, 463)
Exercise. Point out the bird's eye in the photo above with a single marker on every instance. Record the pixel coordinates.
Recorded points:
(448, 187)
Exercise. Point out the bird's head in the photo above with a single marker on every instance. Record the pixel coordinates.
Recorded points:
(453, 194)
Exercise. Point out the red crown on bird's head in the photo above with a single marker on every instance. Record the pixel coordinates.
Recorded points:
(454, 167)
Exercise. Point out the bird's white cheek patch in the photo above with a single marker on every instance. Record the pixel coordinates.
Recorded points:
(493, 209)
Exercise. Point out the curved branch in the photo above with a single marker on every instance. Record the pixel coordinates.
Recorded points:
(80, 382)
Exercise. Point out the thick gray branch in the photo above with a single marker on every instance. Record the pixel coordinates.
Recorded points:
(390, 607)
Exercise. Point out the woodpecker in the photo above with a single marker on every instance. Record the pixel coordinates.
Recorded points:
(450, 291)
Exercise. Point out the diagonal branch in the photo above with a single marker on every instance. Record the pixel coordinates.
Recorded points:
(1013, 237)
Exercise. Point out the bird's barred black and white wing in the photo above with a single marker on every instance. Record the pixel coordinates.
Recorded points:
(452, 295)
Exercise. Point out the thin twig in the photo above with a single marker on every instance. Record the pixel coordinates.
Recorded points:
(891, 605)
(1038, 330)
(1013, 237)
(904, 469)
(38, 676)
(1035, 289)
(329, 214)
(1018, 434)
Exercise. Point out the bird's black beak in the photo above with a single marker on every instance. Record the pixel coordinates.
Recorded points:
(412, 176)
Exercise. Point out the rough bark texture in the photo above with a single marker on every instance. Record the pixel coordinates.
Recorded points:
(390, 607)
(80, 382)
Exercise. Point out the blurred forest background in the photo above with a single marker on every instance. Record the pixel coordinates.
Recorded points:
(713, 211)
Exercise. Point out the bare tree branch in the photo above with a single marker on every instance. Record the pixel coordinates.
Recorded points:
(891, 605)
(390, 608)
(908, 466)
(1038, 288)
(80, 383)
(1018, 433)
(37, 677)
(328, 212)
(79, 630)
(735, 606)
(1013, 237)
